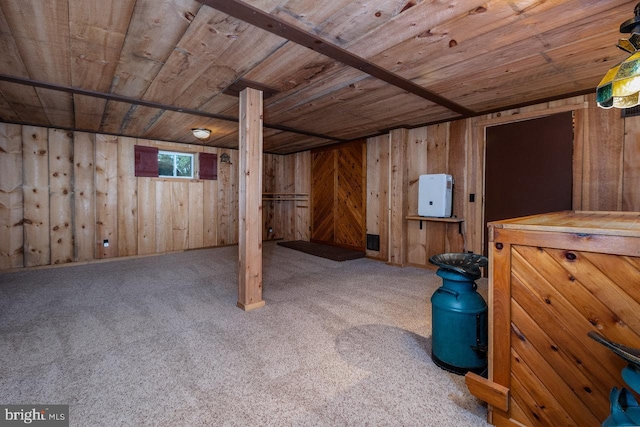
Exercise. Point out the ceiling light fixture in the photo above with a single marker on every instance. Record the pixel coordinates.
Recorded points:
(621, 85)
(201, 133)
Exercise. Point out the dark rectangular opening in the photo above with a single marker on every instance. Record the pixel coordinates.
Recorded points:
(373, 242)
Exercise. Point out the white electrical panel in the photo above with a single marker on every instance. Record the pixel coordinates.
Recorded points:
(435, 195)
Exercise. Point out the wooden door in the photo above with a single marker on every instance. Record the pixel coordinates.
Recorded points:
(323, 187)
(338, 198)
(529, 168)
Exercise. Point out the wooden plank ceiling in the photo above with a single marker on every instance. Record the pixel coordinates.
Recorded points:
(333, 70)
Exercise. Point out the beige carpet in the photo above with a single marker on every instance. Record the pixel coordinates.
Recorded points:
(158, 341)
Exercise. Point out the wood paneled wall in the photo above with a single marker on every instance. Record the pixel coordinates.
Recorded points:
(606, 175)
(63, 193)
(289, 219)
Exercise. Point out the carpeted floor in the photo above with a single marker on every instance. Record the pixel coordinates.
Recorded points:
(158, 341)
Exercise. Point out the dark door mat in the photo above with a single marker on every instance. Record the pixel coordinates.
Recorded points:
(325, 251)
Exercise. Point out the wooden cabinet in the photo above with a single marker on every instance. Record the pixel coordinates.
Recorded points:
(553, 278)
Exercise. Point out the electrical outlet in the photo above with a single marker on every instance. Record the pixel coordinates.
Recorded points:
(105, 243)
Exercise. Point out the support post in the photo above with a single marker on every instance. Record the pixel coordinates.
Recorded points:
(250, 201)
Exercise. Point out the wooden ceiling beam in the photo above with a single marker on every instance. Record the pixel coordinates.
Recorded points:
(151, 104)
(258, 18)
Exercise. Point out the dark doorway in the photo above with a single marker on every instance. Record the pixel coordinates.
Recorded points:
(529, 168)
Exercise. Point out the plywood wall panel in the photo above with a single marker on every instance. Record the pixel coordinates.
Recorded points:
(127, 198)
(35, 158)
(164, 216)
(210, 206)
(398, 204)
(285, 183)
(60, 196)
(302, 186)
(269, 206)
(417, 164)
(180, 215)
(234, 199)
(631, 167)
(603, 160)
(11, 198)
(146, 216)
(457, 167)
(106, 182)
(196, 220)
(437, 162)
(378, 194)
(225, 205)
(84, 196)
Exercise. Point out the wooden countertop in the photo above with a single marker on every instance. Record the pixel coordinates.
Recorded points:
(580, 222)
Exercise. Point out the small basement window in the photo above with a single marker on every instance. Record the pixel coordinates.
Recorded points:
(175, 165)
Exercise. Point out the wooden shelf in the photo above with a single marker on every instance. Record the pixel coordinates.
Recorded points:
(284, 197)
(459, 221)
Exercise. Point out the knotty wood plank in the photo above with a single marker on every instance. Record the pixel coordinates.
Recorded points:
(250, 200)
(603, 156)
(618, 304)
(106, 184)
(604, 244)
(97, 32)
(269, 186)
(531, 394)
(437, 162)
(164, 216)
(619, 270)
(11, 197)
(378, 194)
(60, 196)
(322, 198)
(494, 394)
(35, 158)
(146, 216)
(398, 203)
(540, 377)
(43, 43)
(88, 112)
(225, 197)
(229, 52)
(84, 196)
(543, 303)
(499, 302)
(417, 164)
(127, 198)
(196, 214)
(154, 30)
(351, 196)
(25, 102)
(631, 171)
(339, 22)
(210, 204)
(459, 138)
(474, 211)
(285, 183)
(302, 185)
(532, 336)
(180, 214)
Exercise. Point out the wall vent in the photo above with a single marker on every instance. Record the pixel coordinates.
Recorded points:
(373, 242)
(630, 112)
